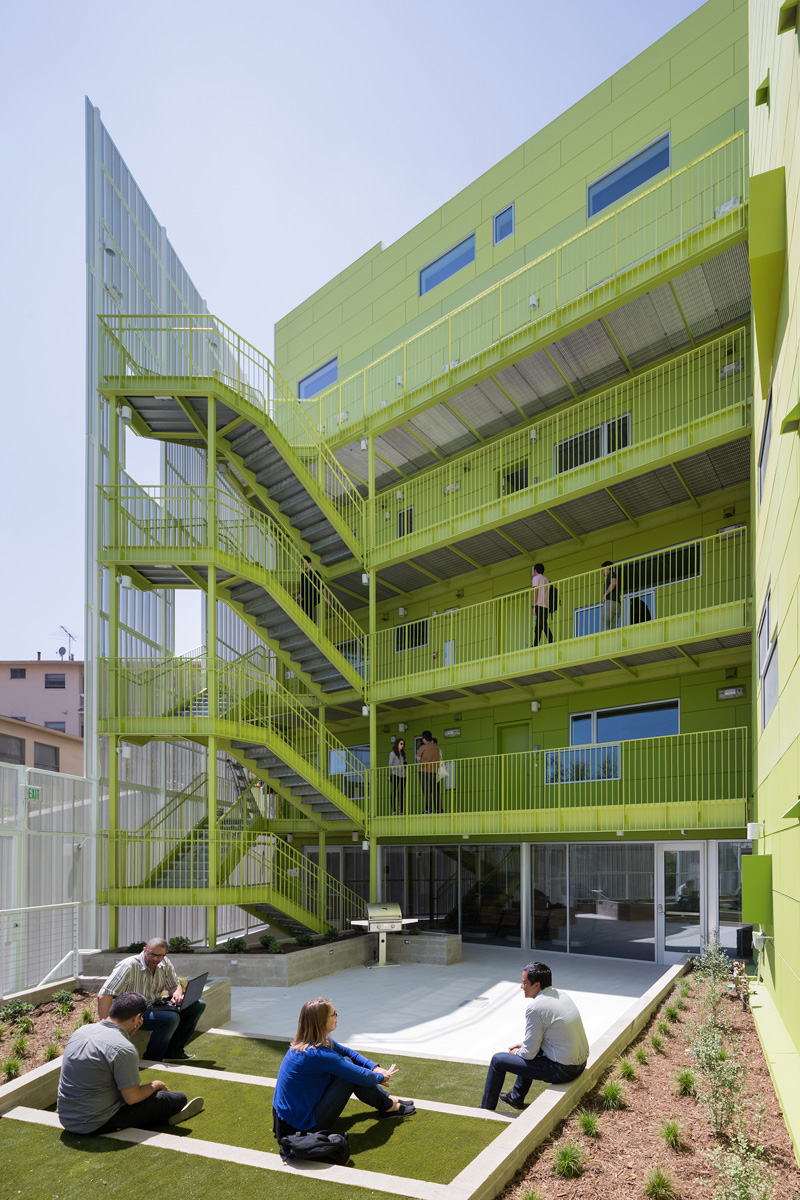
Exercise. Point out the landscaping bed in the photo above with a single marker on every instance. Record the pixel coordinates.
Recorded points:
(633, 1140)
(44, 1027)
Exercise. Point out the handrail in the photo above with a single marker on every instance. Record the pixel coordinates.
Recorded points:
(241, 699)
(693, 208)
(165, 519)
(197, 347)
(698, 588)
(640, 783)
(160, 819)
(663, 411)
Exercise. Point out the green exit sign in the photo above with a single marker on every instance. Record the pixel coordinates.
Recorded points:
(33, 793)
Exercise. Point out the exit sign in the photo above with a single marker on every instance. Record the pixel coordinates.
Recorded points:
(33, 793)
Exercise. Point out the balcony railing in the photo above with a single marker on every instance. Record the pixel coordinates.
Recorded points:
(673, 409)
(177, 524)
(253, 868)
(685, 215)
(196, 353)
(687, 781)
(693, 591)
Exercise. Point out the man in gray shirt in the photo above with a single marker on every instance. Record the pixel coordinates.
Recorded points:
(99, 1089)
(555, 1048)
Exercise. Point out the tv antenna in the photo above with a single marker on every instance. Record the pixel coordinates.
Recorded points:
(70, 639)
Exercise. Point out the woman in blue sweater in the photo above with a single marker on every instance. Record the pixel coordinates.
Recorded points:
(318, 1076)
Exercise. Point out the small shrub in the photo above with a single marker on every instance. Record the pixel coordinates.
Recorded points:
(11, 1068)
(2, 1032)
(14, 1011)
(588, 1122)
(533, 1194)
(63, 1000)
(672, 1013)
(179, 943)
(26, 1025)
(612, 1094)
(568, 1160)
(743, 1174)
(87, 1016)
(671, 1131)
(626, 1069)
(685, 1082)
(664, 1029)
(641, 1056)
(659, 1185)
(713, 965)
(52, 1051)
(58, 1033)
(657, 1043)
(136, 947)
(304, 939)
(272, 945)
(19, 1045)
(685, 989)
(680, 1004)
(236, 945)
(331, 933)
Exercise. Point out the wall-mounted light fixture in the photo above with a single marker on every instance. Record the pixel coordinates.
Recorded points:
(365, 845)
(401, 612)
(755, 830)
(452, 733)
(363, 443)
(535, 706)
(620, 833)
(398, 495)
(730, 693)
(125, 581)
(355, 835)
(365, 710)
(365, 578)
(126, 415)
(402, 727)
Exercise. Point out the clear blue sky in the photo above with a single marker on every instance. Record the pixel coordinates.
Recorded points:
(276, 142)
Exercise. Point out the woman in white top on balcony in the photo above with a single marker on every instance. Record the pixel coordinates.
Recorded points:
(397, 777)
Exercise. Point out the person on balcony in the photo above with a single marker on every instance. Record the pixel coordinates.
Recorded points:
(99, 1089)
(541, 604)
(153, 976)
(555, 1048)
(311, 588)
(429, 756)
(610, 603)
(397, 776)
(318, 1076)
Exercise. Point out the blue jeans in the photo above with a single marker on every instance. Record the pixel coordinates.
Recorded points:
(171, 1030)
(339, 1091)
(526, 1070)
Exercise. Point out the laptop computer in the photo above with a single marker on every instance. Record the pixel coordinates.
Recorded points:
(193, 991)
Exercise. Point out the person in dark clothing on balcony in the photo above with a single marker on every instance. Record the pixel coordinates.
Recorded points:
(310, 588)
(429, 756)
(610, 604)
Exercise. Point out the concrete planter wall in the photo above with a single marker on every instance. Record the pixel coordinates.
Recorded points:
(439, 949)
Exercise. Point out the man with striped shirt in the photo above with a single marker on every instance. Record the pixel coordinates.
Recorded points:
(153, 976)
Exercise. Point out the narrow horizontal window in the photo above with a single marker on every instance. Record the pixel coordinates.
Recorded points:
(19, 673)
(318, 380)
(55, 681)
(595, 443)
(411, 636)
(58, 726)
(515, 479)
(504, 224)
(628, 176)
(447, 264)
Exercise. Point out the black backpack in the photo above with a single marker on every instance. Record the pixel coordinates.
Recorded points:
(322, 1145)
(552, 599)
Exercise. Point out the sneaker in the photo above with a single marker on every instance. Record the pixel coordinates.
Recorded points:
(190, 1109)
(508, 1099)
(177, 1058)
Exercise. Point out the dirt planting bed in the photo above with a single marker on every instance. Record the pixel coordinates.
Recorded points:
(50, 1028)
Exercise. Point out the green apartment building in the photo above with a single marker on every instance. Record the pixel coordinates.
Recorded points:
(564, 365)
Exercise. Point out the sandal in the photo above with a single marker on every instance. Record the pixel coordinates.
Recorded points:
(405, 1108)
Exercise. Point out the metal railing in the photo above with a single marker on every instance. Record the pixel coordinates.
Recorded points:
(690, 211)
(38, 946)
(240, 700)
(697, 589)
(254, 867)
(692, 399)
(686, 781)
(198, 351)
(165, 524)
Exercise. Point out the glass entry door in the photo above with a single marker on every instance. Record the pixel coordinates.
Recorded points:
(681, 900)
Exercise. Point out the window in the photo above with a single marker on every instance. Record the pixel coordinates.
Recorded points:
(766, 438)
(55, 681)
(45, 758)
(597, 737)
(767, 660)
(60, 726)
(405, 521)
(411, 636)
(637, 584)
(514, 479)
(318, 380)
(628, 176)
(504, 224)
(447, 264)
(595, 443)
(12, 749)
(19, 673)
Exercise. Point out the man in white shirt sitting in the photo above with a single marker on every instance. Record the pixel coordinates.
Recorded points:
(555, 1048)
(153, 976)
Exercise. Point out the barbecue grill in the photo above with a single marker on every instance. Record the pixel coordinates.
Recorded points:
(382, 918)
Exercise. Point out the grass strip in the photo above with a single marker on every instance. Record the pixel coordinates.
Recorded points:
(48, 1164)
(431, 1146)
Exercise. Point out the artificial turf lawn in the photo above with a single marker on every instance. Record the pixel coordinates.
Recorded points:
(429, 1145)
(48, 1164)
(419, 1078)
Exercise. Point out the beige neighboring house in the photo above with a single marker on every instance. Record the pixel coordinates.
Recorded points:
(44, 692)
(27, 745)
